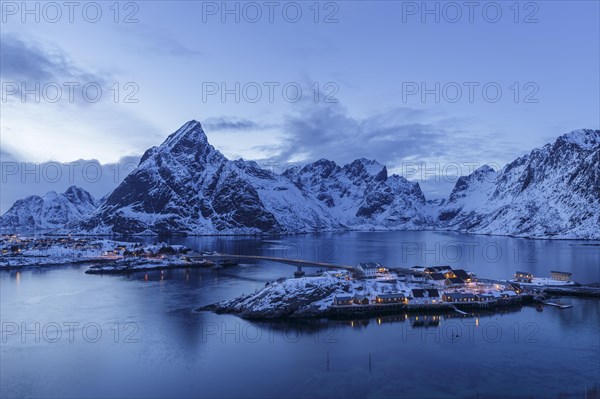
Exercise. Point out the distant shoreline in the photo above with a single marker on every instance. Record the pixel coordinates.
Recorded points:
(120, 236)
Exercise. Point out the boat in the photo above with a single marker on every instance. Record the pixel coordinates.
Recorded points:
(459, 311)
(559, 305)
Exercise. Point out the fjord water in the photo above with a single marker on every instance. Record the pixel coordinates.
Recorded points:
(138, 336)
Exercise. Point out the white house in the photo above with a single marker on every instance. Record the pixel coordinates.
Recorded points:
(369, 269)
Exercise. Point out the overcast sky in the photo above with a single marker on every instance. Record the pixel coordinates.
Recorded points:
(402, 82)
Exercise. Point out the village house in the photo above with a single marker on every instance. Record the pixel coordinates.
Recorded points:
(342, 300)
(390, 298)
(437, 269)
(449, 274)
(458, 297)
(369, 269)
(486, 297)
(560, 276)
(417, 277)
(453, 282)
(361, 299)
(504, 294)
(523, 277)
(425, 296)
(435, 278)
(338, 273)
(463, 275)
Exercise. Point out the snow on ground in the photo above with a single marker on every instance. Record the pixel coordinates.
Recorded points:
(17, 251)
(546, 281)
(312, 295)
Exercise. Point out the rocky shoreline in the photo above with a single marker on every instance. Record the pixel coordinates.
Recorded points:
(290, 313)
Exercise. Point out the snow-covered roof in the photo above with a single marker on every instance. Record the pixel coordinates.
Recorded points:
(369, 265)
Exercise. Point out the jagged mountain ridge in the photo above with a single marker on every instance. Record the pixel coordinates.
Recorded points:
(553, 192)
(186, 186)
(51, 211)
(361, 194)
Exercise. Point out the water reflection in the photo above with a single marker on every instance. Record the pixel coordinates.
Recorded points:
(489, 256)
(181, 353)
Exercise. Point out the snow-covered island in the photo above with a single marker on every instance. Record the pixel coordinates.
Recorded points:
(339, 293)
(105, 256)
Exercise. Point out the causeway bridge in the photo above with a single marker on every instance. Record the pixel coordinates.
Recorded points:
(217, 258)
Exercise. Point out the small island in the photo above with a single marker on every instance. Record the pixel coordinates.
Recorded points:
(105, 256)
(373, 290)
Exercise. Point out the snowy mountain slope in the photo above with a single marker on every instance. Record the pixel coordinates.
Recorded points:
(50, 211)
(186, 186)
(553, 192)
(361, 195)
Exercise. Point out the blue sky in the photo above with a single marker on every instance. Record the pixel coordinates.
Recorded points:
(373, 58)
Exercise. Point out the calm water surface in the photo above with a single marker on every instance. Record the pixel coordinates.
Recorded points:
(67, 334)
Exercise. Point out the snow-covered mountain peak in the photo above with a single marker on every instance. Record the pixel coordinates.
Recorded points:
(186, 186)
(189, 137)
(53, 210)
(475, 182)
(483, 170)
(323, 168)
(191, 131)
(188, 144)
(366, 169)
(50, 195)
(583, 138)
(80, 197)
(551, 192)
(484, 173)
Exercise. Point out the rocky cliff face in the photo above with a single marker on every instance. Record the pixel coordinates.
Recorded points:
(50, 211)
(553, 192)
(362, 195)
(185, 186)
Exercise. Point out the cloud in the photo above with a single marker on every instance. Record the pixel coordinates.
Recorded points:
(21, 179)
(327, 131)
(423, 146)
(27, 61)
(233, 124)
